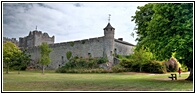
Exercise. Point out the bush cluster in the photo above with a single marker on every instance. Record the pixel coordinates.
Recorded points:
(75, 70)
(118, 68)
(80, 65)
(141, 61)
(172, 65)
(151, 66)
(154, 67)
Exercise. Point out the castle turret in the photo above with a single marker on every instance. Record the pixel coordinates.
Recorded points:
(109, 42)
(35, 38)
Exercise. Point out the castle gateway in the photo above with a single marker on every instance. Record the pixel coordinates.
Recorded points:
(105, 46)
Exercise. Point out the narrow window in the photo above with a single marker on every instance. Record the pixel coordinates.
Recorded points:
(89, 54)
(110, 53)
(115, 52)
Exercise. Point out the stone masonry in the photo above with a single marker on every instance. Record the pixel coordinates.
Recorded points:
(35, 38)
(105, 46)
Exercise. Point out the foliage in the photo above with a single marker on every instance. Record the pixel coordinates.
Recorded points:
(10, 54)
(118, 68)
(45, 55)
(154, 67)
(83, 41)
(119, 56)
(80, 65)
(21, 62)
(172, 65)
(126, 63)
(184, 68)
(141, 57)
(137, 59)
(71, 43)
(165, 28)
(142, 18)
(68, 55)
(101, 60)
(142, 61)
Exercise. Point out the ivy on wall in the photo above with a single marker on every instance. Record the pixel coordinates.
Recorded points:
(83, 41)
(68, 55)
(71, 43)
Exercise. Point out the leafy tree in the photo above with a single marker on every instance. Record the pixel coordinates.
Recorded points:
(141, 57)
(45, 58)
(22, 60)
(10, 54)
(167, 28)
(142, 18)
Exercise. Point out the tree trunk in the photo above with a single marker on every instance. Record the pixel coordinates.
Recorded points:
(140, 68)
(43, 69)
(19, 71)
(190, 75)
(7, 69)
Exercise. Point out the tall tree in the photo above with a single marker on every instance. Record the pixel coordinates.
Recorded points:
(45, 55)
(10, 54)
(141, 56)
(169, 29)
(22, 61)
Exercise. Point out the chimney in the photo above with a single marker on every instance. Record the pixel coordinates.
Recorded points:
(121, 39)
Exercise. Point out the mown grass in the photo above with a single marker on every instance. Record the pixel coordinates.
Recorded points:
(35, 81)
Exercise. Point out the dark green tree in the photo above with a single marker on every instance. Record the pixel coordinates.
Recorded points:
(22, 61)
(167, 28)
(45, 55)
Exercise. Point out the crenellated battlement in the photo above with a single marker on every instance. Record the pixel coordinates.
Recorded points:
(78, 42)
(35, 38)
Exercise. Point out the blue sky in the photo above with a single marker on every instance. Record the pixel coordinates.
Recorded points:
(69, 21)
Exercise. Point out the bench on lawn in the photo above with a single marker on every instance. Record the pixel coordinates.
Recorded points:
(173, 76)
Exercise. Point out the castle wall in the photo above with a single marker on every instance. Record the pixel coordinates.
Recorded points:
(13, 40)
(123, 49)
(105, 46)
(30, 41)
(81, 48)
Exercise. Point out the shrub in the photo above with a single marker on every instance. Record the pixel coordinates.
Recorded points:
(172, 65)
(68, 55)
(118, 68)
(101, 60)
(154, 67)
(83, 41)
(79, 65)
(119, 56)
(184, 68)
(71, 43)
(127, 63)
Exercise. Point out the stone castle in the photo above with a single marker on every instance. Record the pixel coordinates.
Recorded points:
(13, 40)
(105, 46)
(35, 38)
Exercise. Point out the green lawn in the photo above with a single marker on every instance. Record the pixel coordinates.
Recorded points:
(35, 81)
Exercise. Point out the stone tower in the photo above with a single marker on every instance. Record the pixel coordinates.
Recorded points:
(109, 42)
(35, 38)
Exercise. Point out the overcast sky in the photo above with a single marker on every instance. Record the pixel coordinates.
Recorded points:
(69, 21)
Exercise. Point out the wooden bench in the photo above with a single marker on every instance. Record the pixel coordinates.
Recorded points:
(173, 76)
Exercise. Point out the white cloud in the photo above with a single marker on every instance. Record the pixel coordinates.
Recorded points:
(69, 21)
